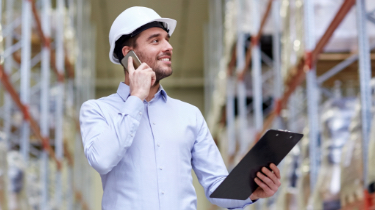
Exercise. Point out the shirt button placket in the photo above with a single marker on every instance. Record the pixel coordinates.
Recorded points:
(157, 156)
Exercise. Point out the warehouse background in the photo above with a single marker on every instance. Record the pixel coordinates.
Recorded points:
(248, 65)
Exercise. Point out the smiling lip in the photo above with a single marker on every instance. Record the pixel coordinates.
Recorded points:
(165, 59)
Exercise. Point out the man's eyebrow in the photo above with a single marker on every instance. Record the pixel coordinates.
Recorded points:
(156, 35)
(153, 36)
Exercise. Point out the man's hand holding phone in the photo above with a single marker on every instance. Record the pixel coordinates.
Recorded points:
(141, 79)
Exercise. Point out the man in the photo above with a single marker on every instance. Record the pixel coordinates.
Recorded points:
(144, 143)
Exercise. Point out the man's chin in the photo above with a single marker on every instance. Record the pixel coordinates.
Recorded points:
(163, 73)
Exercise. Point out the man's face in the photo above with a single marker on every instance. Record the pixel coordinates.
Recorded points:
(154, 49)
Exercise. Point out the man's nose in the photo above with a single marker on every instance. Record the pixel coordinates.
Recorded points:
(167, 46)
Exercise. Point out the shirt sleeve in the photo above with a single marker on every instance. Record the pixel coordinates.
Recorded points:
(209, 166)
(105, 141)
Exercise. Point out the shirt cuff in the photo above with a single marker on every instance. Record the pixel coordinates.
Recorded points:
(133, 107)
(247, 202)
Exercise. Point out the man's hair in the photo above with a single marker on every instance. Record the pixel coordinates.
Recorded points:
(124, 40)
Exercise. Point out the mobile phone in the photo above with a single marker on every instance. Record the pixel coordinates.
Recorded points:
(136, 61)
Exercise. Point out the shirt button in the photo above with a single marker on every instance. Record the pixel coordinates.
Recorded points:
(153, 123)
(140, 113)
(161, 168)
(158, 145)
(162, 193)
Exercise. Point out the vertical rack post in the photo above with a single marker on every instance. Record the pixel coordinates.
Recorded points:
(230, 115)
(256, 67)
(231, 135)
(44, 102)
(8, 69)
(278, 85)
(85, 68)
(70, 108)
(312, 102)
(78, 95)
(219, 36)
(78, 67)
(241, 88)
(60, 96)
(25, 75)
(365, 77)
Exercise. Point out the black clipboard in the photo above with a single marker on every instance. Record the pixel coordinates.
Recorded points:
(271, 148)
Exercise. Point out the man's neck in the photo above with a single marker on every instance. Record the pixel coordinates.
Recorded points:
(153, 90)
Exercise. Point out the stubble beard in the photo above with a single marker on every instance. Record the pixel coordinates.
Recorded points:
(160, 72)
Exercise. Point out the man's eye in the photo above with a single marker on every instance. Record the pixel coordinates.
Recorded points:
(155, 41)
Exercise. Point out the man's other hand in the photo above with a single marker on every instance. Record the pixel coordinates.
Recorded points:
(268, 181)
(141, 79)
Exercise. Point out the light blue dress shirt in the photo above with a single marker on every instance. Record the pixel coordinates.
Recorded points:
(144, 152)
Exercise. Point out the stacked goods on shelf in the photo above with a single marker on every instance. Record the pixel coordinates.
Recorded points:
(303, 184)
(327, 192)
(336, 118)
(351, 165)
(286, 197)
(351, 195)
(17, 198)
(31, 182)
(292, 48)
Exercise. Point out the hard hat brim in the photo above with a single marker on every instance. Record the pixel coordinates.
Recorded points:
(170, 25)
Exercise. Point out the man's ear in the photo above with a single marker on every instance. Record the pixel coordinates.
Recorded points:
(125, 50)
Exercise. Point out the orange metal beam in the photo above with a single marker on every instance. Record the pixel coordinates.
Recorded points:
(25, 110)
(340, 15)
(255, 40)
(33, 124)
(67, 154)
(263, 22)
(70, 71)
(47, 42)
(79, 198)
(304, 64)
(232, 62)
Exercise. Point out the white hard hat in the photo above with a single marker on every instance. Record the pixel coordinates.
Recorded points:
(130, 20)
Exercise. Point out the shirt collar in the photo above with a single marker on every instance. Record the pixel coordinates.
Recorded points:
(123, 91)
(161, 93)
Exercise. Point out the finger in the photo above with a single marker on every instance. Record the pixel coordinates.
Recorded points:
(130, 65)
(276, 170)
(265, 188)
(267, 181)
(153, 78)
(271, 175)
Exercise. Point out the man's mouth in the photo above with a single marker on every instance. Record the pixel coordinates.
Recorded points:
(166, 60)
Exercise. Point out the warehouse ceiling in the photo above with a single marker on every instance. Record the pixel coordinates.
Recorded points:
(187, 40)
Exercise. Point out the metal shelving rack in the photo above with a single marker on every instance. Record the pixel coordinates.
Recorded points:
(303, 71)
(70, 85)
